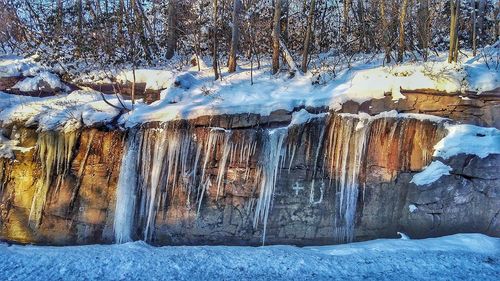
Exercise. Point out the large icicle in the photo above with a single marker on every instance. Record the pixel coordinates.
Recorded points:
(347, 146)
(55, 152)
(273, 154)
(126, 190)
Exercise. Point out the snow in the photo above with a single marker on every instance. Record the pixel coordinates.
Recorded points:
(395, 114)
(33, 83)
(461, 139)
(7, 146)
(456, 257)
(482, 71)
(235, 94)
(155, 79)
(189, 93)
(62, 112)
(11, 66)
(468, 139)
(431, 173)
(303, 116)
(412, 208)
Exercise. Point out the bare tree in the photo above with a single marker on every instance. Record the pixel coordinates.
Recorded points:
(171, 29)
(402, 18)
(423, 27)
(480, 22)
(215, 58)
(345, 26)
(385, 31)
(305, 52)
(276, 36)
(454, 12)
(235, 35)
(474, 29)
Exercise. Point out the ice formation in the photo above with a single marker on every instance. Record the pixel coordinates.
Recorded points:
(55, 152)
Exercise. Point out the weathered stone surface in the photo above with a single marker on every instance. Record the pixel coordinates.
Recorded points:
(81, 203)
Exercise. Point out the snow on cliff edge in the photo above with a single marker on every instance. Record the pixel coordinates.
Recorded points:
(191, 93)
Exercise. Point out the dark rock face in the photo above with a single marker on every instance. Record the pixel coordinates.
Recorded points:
(334, 179)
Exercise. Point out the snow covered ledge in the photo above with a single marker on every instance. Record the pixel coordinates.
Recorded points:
(463, 139)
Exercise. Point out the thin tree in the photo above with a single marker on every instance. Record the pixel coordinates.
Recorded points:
(345, 26)
(276, 36)
(402, 17)
(171, 29)
(305, 52)
(453, 52)
(474, 29)
(215, 58)
(235, 35)
(424, 27)
(385, 32)
(480, 22)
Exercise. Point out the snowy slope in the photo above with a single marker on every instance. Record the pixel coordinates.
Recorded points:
(191, 93)
(457, 257)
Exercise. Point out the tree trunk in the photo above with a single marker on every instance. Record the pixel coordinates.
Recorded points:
(235, 35)
(497, 21)
(453, 53)
(215, 58)
(345, 27)
(402, 18)
(424, 27)
(362, 25)
(480, 22)
(305, 53)
(288, 59)
(60, 16)
(171, 29)
(276, 36)
(474, 29)
(457, 14)
(385, 32)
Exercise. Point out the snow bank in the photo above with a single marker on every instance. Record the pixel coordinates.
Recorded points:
(189, 93)
(481, 72)
(431, 173)
(155, 79)
(35, 83)
(456, 257)
(363, 81)
(468, 139)
(12, 66)
(63, 112)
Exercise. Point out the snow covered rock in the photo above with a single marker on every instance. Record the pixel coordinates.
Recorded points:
(43, 81)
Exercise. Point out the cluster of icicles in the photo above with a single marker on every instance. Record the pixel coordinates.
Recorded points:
(158, 161)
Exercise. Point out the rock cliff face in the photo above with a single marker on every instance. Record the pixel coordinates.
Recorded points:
(247, 179)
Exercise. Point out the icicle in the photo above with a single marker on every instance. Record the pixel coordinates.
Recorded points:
(55, 152)
(126, 190)
(314, 167)
(346, 152)
(226, 149)
(213, 138)
(273, 153)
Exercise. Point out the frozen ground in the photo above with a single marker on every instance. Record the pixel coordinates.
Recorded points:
(456, 257)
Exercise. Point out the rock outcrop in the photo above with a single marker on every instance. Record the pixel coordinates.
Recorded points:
(240, 179)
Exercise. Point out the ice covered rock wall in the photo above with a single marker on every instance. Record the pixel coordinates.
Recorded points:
(326, 178)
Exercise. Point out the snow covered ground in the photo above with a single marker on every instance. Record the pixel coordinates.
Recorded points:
(456, 257)
(191, 93)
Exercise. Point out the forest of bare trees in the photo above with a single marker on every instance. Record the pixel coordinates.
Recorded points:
(76, 33)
